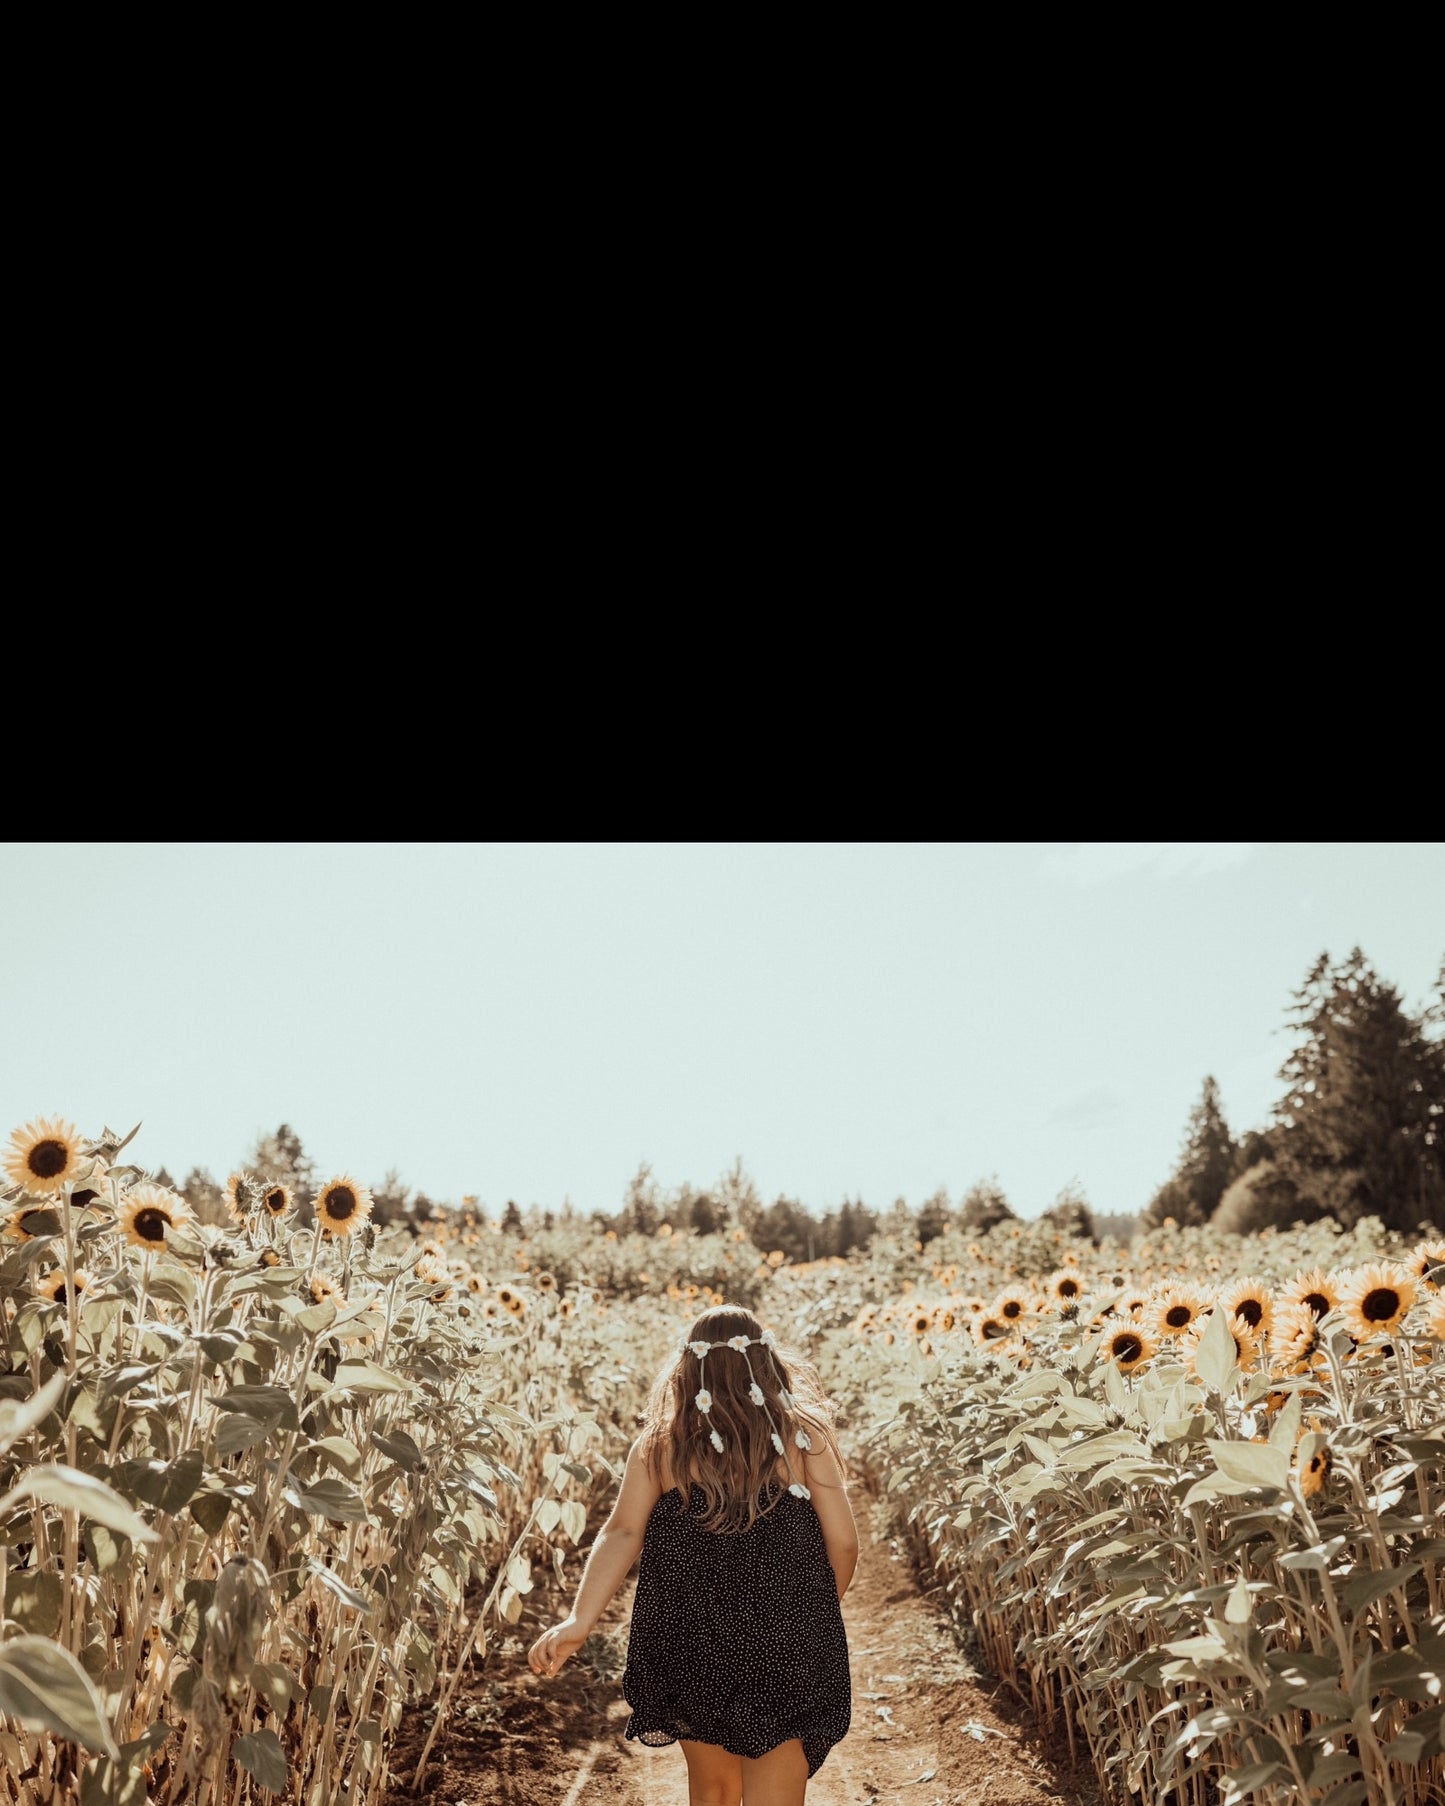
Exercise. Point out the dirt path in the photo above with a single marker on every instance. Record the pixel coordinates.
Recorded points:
(927, 1730)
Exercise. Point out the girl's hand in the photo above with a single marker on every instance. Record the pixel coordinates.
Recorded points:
(553, 1648)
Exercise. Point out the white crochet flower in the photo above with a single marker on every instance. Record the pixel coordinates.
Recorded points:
(799, 1492)
(777, 1442)
(703, 1401)
(717, 1442)
(768, 1339)
(755, 1393)
(699, 1348)
(740, 1343)
(801, 1438)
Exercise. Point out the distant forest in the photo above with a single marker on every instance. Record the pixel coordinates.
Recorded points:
(1359, 1131)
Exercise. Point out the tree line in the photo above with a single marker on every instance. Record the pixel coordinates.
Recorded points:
(1358, 1131)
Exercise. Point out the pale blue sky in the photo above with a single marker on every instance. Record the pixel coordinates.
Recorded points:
(534, 1020)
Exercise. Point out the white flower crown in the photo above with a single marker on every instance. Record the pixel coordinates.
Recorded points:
(703, 1400)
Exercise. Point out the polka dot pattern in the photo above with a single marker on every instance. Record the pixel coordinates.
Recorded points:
(737, 1640)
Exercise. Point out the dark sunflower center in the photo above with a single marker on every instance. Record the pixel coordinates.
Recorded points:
(62, 1293)
(341, 1203)
(1251, 1310)
(47, 1158)
(1380, 1305)
(1317, 1302)
(991, 1329)
(1127, 1348)
(1012, 1308)
(1319, 1462)
(151, 1224)
(275, 1200)
(1178, 1316)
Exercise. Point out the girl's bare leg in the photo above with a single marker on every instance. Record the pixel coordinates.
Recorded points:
(778, 1779)
(714, 1775)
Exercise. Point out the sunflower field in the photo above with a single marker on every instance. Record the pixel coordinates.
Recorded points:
(266, 1486)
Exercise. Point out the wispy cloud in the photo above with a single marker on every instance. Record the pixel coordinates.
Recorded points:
(1087, 1109)
(1093, 862)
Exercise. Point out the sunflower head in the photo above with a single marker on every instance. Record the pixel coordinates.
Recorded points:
(45, 1155)
(1295, 1344)
(30, 1224)
(1317, 1289)
(322, 1287)
(1249, 1302)
(1313, 1460)
(1427, 1264)
(1435, 1319)
(546, 1282)
(1064, 1287)
(53, 1285)
(989, 1328)
(277, 1200)
(1246, 1343)
(566, 1308)
(241, 1197)
(1375, 1298)
(1012, 1304)
(270, 1258)
(150, 1212)
(1128, 1347)
(343, 1205)
(1175, 1311)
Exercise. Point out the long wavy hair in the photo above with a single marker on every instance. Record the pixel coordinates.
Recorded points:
(735, 1481)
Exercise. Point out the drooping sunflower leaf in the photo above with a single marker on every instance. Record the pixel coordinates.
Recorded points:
(46, 1689)
(70, 1487)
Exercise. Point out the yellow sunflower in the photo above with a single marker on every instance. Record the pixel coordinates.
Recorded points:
(1131, 1303)
(322, 1287)
(475, 1283)
(1318, 1290)
(944, 1318)
(1295, 1344)
(343, 1206)
(986, 1329)
(1011, 1304)
(1427, 1263)
(921, 1322)
(270, 1258)
(53, 1285)
(277, 1200)
(149, 1211)
(546, 1282)
(1435, 1321)
(240, 1197)
(565, 1309)
(1375, 1298)
(1174, 1309)
(1251, 1302)
(974, 1306)
(1312, 1469)
(1128, 1348)
(430, 1245)
(44, 1155)
(1064, 1287)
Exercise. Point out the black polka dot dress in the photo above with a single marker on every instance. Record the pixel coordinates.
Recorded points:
(737, 1639)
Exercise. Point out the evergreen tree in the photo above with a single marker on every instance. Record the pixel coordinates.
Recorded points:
(857, 1225)
(642, 1207)
(1070, 1213)
(1359, 1130)
(1208, 1163)
(705, 1217)
(983, 1205)
(512, 1219)
(786, 1225)
(933, 1217)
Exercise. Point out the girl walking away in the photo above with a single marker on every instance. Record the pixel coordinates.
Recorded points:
(735, 1498)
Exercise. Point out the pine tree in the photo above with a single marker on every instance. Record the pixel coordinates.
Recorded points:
(983, 1205)
(1359, 1130)
(1208, 1163)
